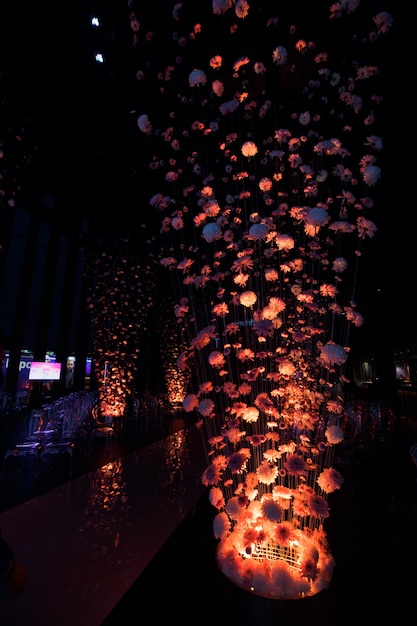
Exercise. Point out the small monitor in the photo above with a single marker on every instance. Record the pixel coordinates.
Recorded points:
(44, 370)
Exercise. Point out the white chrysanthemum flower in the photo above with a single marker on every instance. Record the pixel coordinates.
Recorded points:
(334, 434)
(333, 354)
(340, 264)
(211, 232)
(280, 55)
(196, 78)
(217, 87)
(250, 414)
(144, 124)
(206, 407)
(221, 6)
(284, 242)
(287, 368)
(221, 525)
(248, 298)
(190, 402)
(371, 175)
(258, 232)
(249, 149)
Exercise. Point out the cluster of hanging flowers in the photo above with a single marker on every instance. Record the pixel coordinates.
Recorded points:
(268, 223)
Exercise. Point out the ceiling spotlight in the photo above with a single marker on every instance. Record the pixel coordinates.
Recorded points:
(99, 57)
(95, 21)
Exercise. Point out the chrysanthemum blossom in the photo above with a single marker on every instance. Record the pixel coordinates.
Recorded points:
(249, 149)
(248, 298)
(333, 354)
(196, 78)
(217, 87)
(250, 414)
(286, 367)
(295, 465)
(190, 402)
(216, 497)
(334, 434)
(271, 510)
(339, 265)
(371, 175)
(267, 473)
(280, 55)
(206, 407)
(258, 232)
(144, 124)
(329, 480)
(316, 218)
(284, 242)
(216, 359)
(221, 6)
(221, 525)
(211, 232)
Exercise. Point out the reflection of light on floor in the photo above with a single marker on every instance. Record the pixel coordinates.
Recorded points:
(176, 454)
(106, 489)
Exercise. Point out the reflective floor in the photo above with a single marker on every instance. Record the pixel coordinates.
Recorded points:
(130, 542)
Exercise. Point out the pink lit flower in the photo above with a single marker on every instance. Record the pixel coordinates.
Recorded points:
(220, 309)
(211, 475)
(329, 480)
(284, 533)
(256, 440)
(271, 509)
(245, 354)
(258, 232)
(190, 402)
(237, 462)
(221, 525)
(271, 275)
(196, 78)
(250, 414)
(371, 175)
(217, 87)
(295, 465)
(203, 337)
(221, 6)
(242, 8)
(216, 62)
(318, 506)
(144, 124)
(249, 149)
(280, 55)
(333, 354)
(211, 232)
(263, 327)
(216, 359)
(206, 407)
(244, 389)
(216, 497)
(334, 434)
(267, 473)
(284, 242)
(383, 21)
(365, 227)
(248, 298)
(286, 367)
(339, 265)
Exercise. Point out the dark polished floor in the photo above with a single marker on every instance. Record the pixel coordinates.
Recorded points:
(373, 534)
(166, 572)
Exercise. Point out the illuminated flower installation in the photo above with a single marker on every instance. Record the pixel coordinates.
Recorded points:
(265, 152)
(119, 285)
